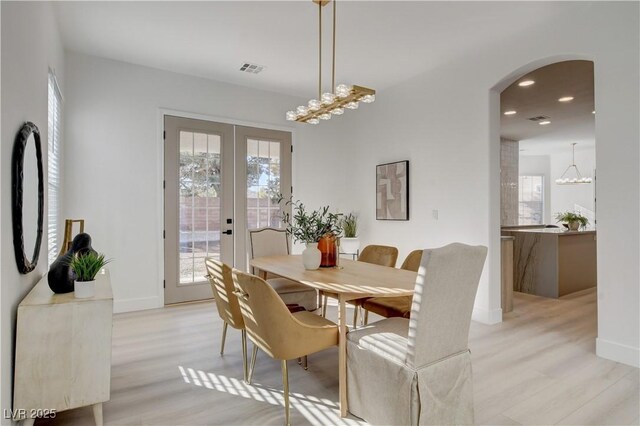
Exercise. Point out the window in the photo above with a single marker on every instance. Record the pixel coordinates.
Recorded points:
(531, 200)
(53, 170)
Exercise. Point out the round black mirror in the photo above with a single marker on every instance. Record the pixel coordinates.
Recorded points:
(27, 196)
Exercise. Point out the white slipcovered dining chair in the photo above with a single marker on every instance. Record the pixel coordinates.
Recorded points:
(274, 242)
(418, 370)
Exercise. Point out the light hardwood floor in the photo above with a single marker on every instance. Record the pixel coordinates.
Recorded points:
(537, 367)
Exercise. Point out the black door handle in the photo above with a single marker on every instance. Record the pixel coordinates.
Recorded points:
(228, 232)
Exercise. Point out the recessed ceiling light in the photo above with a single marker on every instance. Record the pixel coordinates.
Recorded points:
(509, 112)
(544, 123)
(566, 99)
(525, 83)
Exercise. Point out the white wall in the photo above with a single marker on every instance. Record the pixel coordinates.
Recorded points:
(534, 165)
(30, 45)
(446, 122)
(113, 156)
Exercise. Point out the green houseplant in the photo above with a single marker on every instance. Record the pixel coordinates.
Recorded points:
(350, 243)
(86, 266)
(318, 229)
(573, 220)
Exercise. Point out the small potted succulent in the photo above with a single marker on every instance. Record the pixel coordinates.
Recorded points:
(350, 243)
(86, 267)
(317, 229)
(573, 221)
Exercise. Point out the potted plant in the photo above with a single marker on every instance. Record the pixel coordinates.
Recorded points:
(317, 229)
(350, 242)
(573, 221)
(86, 266)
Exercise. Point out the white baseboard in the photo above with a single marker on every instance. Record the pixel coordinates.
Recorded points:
(139, 304)
(618, 352)
(486, 316)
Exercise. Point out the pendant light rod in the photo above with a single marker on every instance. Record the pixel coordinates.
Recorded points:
(333, 64)
(319, 49)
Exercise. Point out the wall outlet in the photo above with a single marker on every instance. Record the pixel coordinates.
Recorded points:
(434, 214)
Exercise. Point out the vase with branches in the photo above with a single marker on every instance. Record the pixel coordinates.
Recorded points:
(318, 229)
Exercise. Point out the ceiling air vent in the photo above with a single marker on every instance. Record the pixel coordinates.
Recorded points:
(251, 68)
(539, 118)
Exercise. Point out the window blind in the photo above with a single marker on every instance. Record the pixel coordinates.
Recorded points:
(54, 167)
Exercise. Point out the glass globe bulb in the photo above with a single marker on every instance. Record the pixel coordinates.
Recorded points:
(291, 115)
(325, 116)
(314, 105)
(352, 105)
(313, 121)
(337, 111)
(302, 110)
(367, 99)
(328, 98)
(342, 90)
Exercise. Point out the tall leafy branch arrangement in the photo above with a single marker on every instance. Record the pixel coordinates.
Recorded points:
(309, 226)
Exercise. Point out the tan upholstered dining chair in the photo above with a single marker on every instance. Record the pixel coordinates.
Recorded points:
(377, 255)
(422, 364)
(279, 333)
(389, 307)
(219, 276)
(274, 242)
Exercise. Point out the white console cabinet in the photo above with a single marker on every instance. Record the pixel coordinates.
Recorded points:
(63, 351)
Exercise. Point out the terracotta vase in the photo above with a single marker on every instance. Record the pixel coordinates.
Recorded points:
(327, 246)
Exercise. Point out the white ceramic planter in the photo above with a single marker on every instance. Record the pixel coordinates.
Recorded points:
(349, 245)
(311, 257)
(84, 289)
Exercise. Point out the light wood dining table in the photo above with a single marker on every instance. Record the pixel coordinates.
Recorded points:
(350, 280)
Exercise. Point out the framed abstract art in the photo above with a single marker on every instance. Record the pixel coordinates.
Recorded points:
(392, 191)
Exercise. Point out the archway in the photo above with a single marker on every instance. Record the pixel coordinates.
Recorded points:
(495, 164)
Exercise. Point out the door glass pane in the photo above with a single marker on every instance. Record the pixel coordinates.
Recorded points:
(263, 183)
(200, 191)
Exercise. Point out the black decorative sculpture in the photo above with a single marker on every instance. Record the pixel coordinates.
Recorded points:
(25, 264)
(61, 277)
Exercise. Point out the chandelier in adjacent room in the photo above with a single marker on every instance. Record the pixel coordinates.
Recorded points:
(566, 178)
(341, 97)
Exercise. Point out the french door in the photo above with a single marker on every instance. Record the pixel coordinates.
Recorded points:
(220, 180)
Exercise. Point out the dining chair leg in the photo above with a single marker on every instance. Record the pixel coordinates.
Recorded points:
(304, 363)
(224, 337)
(366, 317)
(355, 316)
(245, 372)
(254, 355)
(324, 305)
(285, 385)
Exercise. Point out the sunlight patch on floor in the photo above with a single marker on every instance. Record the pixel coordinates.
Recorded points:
(315, 410)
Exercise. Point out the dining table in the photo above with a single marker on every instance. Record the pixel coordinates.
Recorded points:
(350, 280)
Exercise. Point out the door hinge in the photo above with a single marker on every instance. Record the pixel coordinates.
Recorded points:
(164, 134)
(291, 148)
(164, 283)
(164, 234)
(164, 184)
(292, 190)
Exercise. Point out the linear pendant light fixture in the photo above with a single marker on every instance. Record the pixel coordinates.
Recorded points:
(562, 180)
(342, 96)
